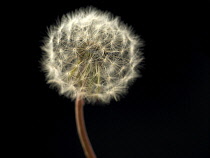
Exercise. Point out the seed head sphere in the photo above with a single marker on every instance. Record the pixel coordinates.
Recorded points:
(91, 54)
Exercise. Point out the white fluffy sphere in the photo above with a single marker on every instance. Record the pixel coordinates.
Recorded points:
(91, 54)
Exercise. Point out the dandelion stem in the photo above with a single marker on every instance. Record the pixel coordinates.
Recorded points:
(79, 114)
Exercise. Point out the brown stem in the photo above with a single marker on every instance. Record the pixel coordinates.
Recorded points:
(88, 150)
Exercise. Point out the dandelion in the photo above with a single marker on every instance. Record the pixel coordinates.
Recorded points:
(91, 56)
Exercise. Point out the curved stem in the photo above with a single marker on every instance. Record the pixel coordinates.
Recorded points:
(81, 129)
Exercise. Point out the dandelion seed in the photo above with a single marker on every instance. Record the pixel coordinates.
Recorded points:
(92, 40)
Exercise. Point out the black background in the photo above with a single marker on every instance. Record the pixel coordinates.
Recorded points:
(164, 114)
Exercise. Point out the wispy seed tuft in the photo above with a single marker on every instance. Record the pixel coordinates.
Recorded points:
(91, 54)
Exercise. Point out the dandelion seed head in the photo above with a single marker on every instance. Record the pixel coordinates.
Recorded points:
(91, 54)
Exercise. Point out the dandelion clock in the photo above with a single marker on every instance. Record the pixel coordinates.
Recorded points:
(91, 56)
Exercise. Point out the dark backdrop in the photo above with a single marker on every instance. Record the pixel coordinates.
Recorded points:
(164, 114)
